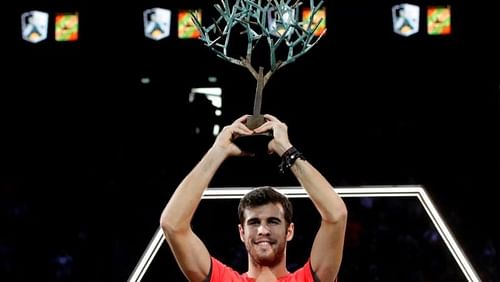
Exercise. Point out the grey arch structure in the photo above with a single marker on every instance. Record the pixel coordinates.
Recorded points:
(299, 192)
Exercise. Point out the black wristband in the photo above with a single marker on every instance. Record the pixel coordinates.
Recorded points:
(288, 158)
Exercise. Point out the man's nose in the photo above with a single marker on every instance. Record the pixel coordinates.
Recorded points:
(263, 229)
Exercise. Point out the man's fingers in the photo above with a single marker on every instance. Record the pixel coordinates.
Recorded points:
(241, 119)
(271, 118)
(268, 125)
(242, 129)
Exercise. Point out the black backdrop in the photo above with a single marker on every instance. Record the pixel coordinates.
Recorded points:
(90, 155)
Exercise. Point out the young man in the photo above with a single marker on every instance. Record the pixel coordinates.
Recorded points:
(265, 224)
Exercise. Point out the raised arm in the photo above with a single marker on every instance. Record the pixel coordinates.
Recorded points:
(327, 248)
(189, 251)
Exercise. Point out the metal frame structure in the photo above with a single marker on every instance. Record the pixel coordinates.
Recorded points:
(299, 192)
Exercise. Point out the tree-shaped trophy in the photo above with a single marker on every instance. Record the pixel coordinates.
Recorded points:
(275, 22)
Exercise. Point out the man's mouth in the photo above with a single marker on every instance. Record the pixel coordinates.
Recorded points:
(264, 243)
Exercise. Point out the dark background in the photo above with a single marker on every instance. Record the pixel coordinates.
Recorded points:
(388, 239)
(90, 155)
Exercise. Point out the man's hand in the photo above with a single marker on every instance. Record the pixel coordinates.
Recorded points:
(280, 143)
(225, 138)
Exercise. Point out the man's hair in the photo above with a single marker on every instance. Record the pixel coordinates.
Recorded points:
(261, 196)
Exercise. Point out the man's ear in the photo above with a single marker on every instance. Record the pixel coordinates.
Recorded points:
(242, 233)
(290, 231)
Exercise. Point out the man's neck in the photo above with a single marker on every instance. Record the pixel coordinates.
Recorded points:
(266, 273)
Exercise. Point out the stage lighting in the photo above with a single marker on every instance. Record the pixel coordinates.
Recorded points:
(438, 20)
(34, 26)
(319, 19)
(186, 28)
(157, 23)
(405, 19)
(280, 21)
(66, 27)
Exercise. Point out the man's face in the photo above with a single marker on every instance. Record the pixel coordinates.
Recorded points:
(265, 234)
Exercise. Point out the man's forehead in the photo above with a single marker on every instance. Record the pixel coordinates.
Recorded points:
(267, 210)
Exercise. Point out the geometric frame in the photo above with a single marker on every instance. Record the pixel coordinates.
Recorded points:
(403, 191)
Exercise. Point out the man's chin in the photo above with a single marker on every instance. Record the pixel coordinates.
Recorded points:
(267, 259)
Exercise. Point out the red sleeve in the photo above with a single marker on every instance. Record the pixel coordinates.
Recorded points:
(304, 274)
(220, 272)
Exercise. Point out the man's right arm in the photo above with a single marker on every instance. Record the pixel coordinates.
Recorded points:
(189, 251)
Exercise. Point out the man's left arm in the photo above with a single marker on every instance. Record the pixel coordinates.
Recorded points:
(328, 245)
(327, 248)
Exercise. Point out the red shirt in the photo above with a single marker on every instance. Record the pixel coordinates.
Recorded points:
(223, 273)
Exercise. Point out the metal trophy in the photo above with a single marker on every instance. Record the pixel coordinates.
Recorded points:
(276, 23)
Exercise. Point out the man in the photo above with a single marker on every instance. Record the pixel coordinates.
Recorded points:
(265, 226)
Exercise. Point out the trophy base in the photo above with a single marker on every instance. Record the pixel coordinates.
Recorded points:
(255, 143)
(255, 121)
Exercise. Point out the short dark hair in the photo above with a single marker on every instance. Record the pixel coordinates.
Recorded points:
(264, 195)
